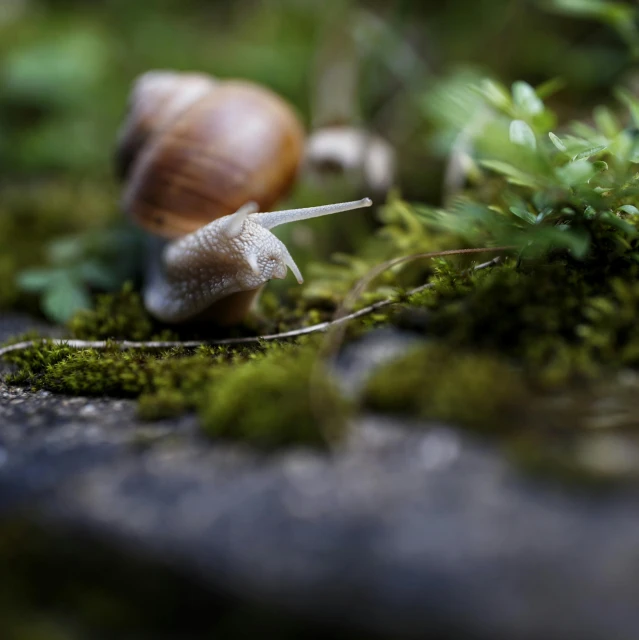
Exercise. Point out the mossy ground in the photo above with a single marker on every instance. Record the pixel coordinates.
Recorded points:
(263, 393)
(541, 354)
(525, 352)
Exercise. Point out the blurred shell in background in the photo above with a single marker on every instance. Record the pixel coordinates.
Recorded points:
(366, 160)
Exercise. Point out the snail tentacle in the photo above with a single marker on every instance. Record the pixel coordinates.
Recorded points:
(276, 218)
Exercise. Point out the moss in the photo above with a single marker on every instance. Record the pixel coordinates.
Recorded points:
(561, 321)
(119, 316)
(434, 381)
(553, 458)
(118, 373)
(274, 401)
(261, 394)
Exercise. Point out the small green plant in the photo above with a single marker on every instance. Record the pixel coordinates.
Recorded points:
(537, 188)
(559, 321)
(78, 265)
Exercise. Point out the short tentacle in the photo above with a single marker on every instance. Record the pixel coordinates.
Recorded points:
(290, 263)
(232, 224)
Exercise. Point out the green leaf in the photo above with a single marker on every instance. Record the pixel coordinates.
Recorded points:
(526, 99)
(606, 122)
(496, 94)
(631, 102)
(524, 214)
(65, 250)
(628, 208)
(35, 280)
(557, 142)
(522, 134)
(550, 87)
(589, 152)
(514, 175)
(577, 172)
(64, 297)
(98, 275)
(542, 215)
(618, 223)
(577, 243)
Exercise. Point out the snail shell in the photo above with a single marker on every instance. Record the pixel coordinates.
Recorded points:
(194, 149)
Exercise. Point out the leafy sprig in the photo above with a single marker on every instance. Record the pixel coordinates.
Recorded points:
(541, 188)
(78, 265)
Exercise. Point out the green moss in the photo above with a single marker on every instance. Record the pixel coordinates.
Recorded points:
(554, 458)
(118, 373)
(434, 381)
(273, 401)
(119, 316)
(261, 394)
(561, 320)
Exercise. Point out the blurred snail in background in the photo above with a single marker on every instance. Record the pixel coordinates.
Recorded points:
(199, 159)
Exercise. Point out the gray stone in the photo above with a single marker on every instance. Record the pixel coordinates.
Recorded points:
(408, 530)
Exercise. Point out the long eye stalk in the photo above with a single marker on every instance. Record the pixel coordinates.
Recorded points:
(276, 218)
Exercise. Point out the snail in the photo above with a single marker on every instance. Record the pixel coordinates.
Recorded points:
(200, 158)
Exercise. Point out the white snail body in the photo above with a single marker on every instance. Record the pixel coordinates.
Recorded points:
(230, 255)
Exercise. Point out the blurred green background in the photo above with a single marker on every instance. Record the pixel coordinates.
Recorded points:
(66, 67)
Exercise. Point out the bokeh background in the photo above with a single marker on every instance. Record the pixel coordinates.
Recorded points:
(393, 67)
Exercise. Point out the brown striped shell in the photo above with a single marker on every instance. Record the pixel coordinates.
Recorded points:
(194, 149)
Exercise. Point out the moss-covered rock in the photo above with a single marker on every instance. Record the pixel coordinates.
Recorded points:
(281, 399)
(434, 381)
(560, 320)
(269, 395)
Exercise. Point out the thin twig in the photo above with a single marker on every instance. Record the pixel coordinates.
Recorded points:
(294, 333)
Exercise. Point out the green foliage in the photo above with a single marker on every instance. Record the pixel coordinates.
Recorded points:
(566, 199)
(401, 233)
(64, 84)
(436, 382)
(34, 220)
(93, 260)
(536, 190)
(559, 320)
(119, 373)
(544, 356)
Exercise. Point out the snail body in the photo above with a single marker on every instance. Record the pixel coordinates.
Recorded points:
(200, 159)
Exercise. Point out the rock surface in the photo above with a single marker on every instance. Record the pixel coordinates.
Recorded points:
(405, 531)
